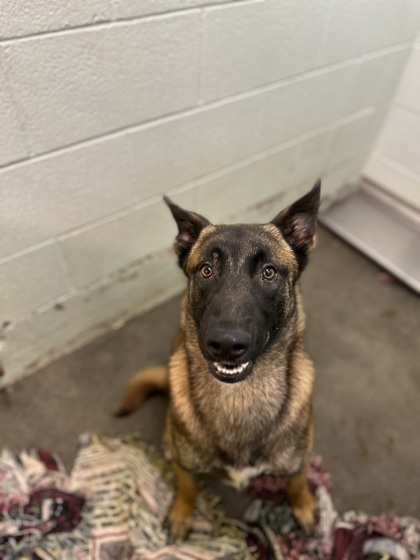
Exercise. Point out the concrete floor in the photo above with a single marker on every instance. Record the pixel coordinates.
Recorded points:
(363, 335)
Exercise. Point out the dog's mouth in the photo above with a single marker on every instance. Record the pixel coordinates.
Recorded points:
(230, 373)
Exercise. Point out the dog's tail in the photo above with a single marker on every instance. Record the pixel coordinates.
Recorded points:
(141, 385)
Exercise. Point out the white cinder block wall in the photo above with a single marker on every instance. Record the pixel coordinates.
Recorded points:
(395, 160)
(231, 108)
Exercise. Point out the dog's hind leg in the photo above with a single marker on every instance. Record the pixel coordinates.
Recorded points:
(181, 513)
(140, 386)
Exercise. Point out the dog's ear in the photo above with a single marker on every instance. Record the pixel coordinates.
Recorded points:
(297, 223)
(189, 225)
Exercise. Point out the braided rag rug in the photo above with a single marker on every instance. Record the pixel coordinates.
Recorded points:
(113, 504)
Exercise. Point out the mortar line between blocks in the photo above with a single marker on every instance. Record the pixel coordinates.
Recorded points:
(190, 184)
(115, 20)
(27, 250)
(401, 168)
(109, 278)
(125, 211)
(103, 24)
(415, 113)
(196, 182)
(90, 288)
(23, 316)
(190, 111)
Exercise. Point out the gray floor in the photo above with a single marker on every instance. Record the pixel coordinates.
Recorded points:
(363, 335)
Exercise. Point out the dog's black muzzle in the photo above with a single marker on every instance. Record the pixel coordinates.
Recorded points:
(230, 348)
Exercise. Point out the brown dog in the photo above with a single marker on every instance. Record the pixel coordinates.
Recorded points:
(239, 380)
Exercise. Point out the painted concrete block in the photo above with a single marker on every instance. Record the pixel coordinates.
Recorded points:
(81, 85)
(45, 197)
(255, 43)
(103, 249)
(13, 145)
(359, 27)
(408, 93)
(179, 150)
(305, 104)
(376, 80)
(352, 142)
(27, 17)
(311, 159)
(31, 280)
(389, 141)
(399, 179)
(126, 9)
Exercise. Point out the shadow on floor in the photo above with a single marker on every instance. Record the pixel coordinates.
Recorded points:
(362, 335)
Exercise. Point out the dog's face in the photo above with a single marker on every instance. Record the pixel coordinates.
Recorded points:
(242, 280)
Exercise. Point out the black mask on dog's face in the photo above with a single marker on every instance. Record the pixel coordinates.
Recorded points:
(241, 281)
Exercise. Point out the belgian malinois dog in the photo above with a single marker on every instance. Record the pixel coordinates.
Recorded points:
(239, 380)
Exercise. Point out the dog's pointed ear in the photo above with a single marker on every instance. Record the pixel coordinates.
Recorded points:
(189, 225)
(297, 223)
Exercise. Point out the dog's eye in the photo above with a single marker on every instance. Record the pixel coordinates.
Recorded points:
(206, 271)
(268, 273)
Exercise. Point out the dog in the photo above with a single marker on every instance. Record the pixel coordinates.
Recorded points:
(239, 380)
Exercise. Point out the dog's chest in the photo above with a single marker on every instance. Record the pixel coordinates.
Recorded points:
(239, 478)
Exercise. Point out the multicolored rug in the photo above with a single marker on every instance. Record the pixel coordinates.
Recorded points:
(113, 504)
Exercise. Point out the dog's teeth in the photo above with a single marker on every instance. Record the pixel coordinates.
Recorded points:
(230, 371)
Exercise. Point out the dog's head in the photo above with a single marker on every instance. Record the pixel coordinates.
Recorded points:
(242, 281)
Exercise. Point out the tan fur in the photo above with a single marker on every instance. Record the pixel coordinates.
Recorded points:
(181, 512)
(141, 385)
(280, 246)
(302, 501)
(195, 255)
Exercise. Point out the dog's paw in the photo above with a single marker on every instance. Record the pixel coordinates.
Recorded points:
(306, 515)
(178, 523)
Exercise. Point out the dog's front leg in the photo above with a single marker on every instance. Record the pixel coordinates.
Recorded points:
(302, 501)
(181, 513)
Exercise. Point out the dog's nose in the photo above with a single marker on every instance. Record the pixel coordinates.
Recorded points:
(227, 344)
